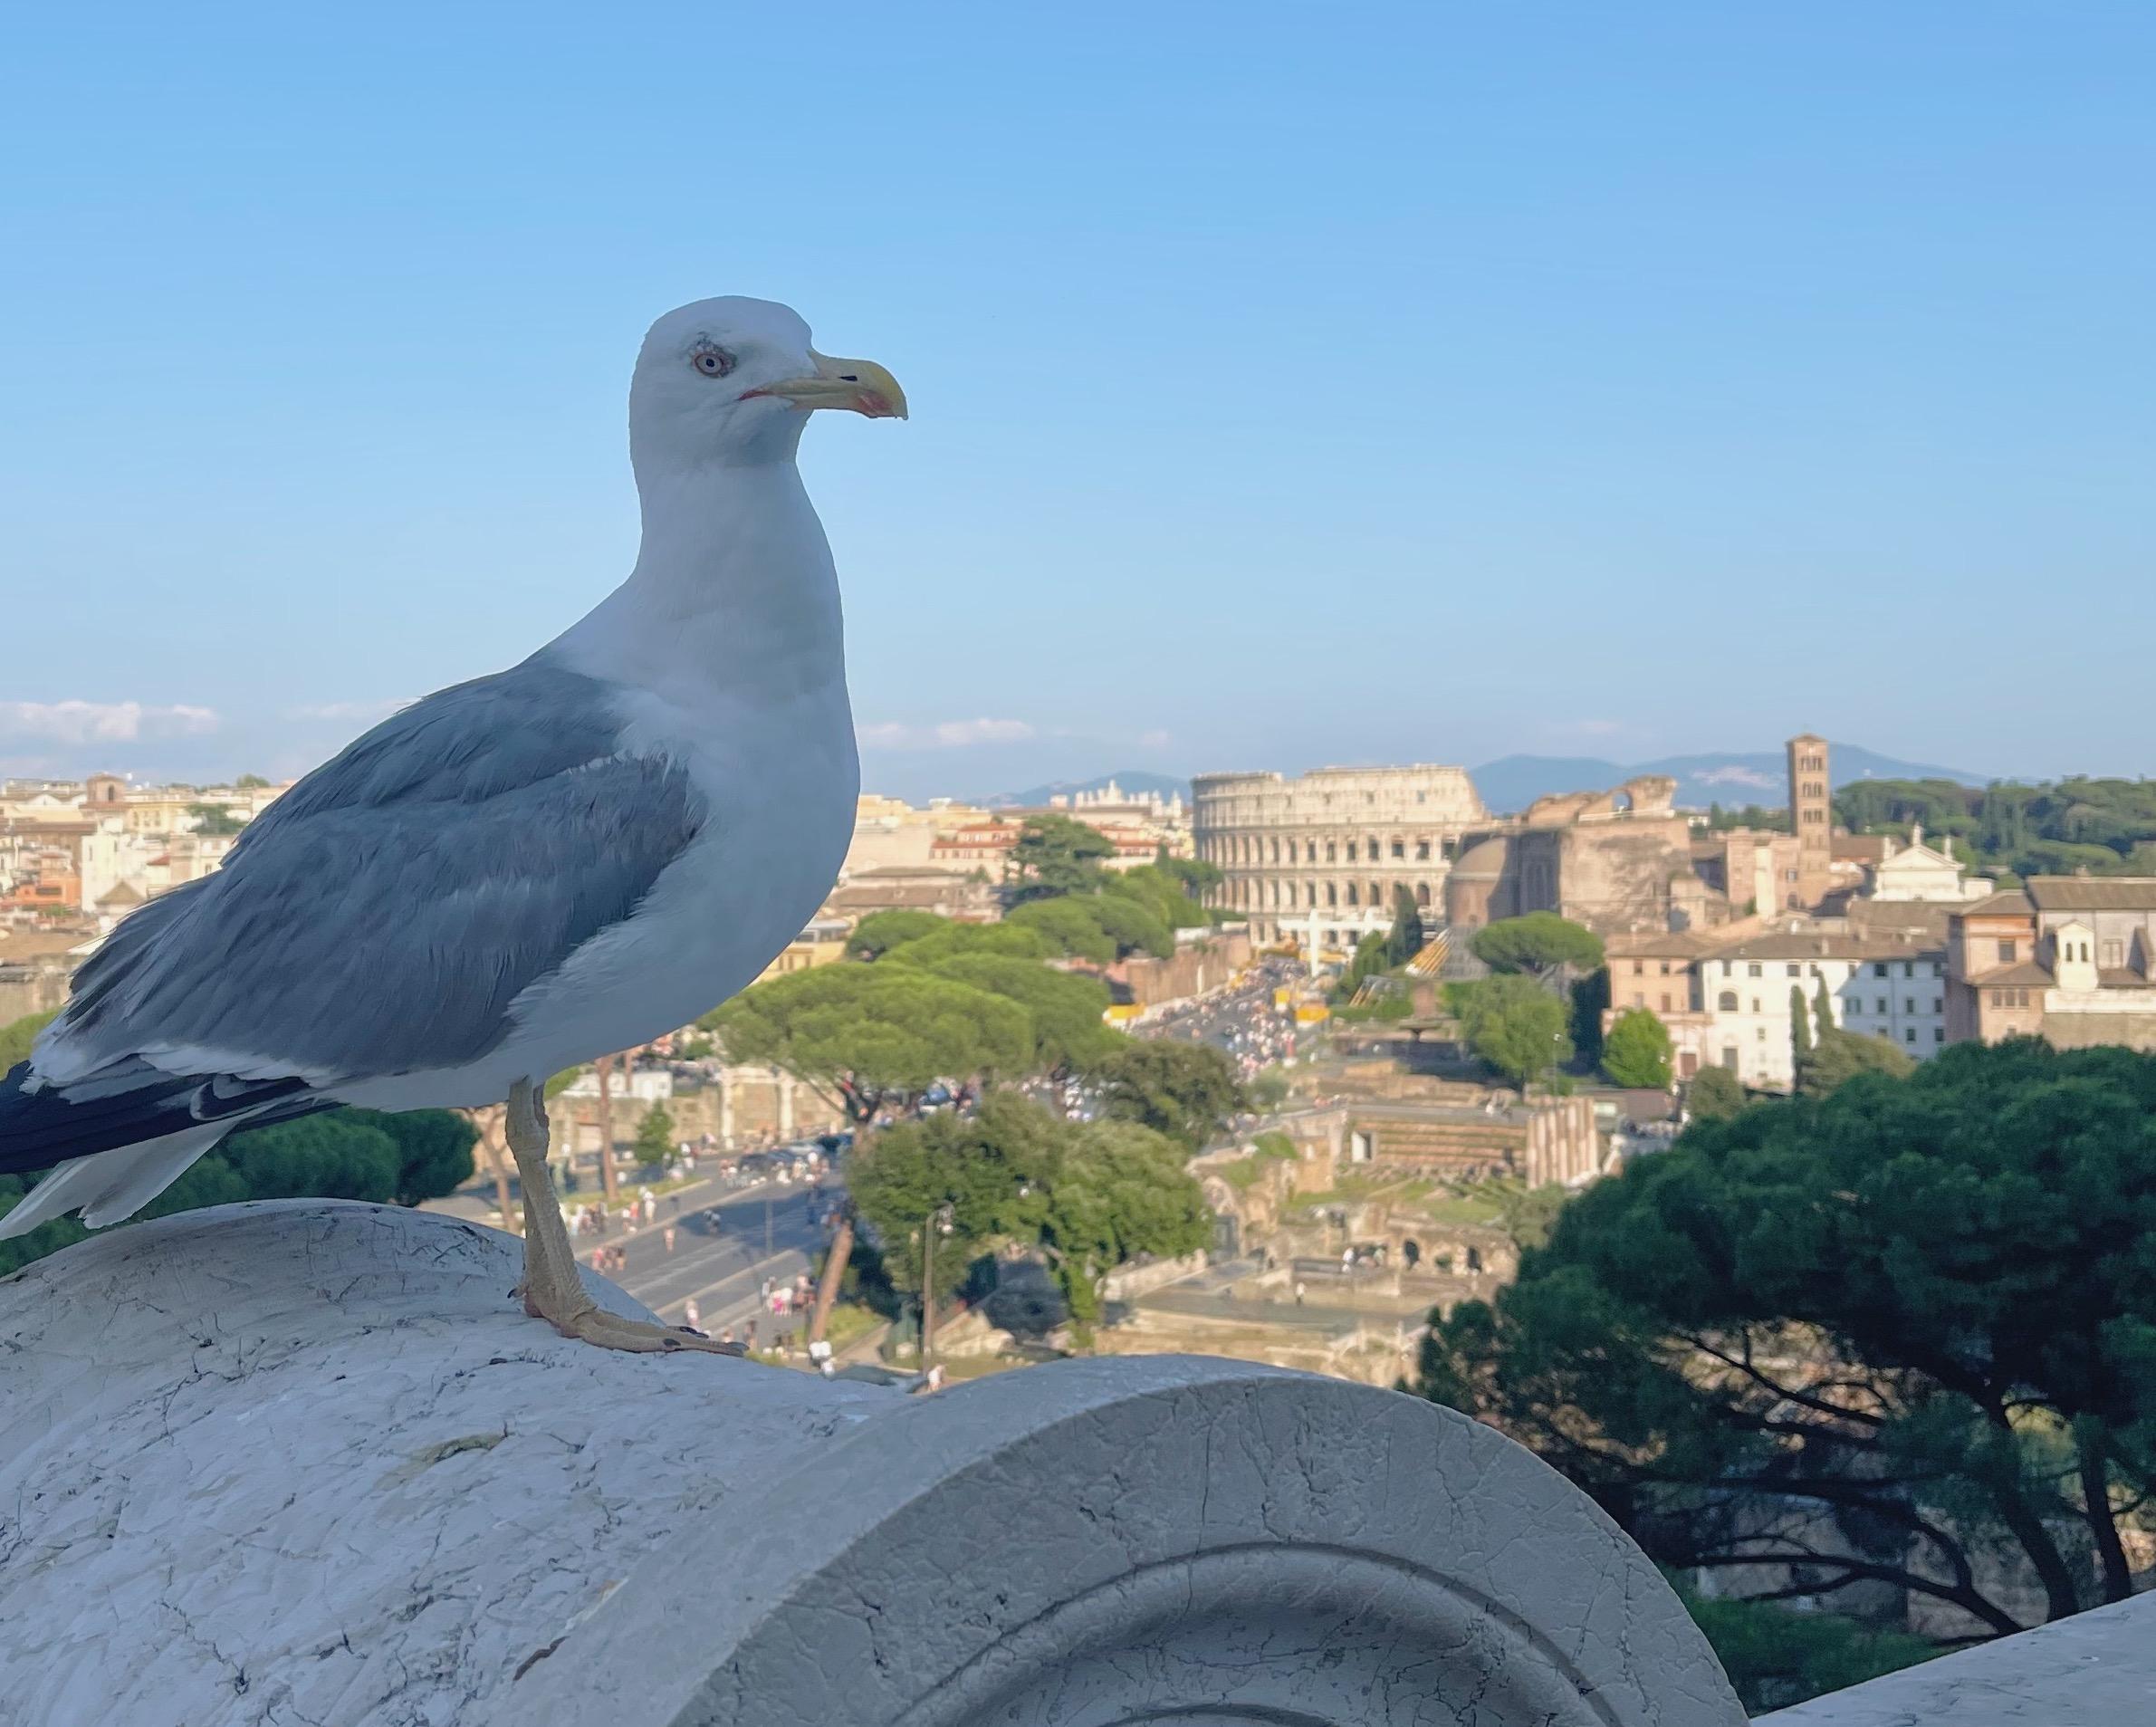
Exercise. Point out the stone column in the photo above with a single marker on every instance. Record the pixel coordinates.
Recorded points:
(785, 1105)
(308, 1461)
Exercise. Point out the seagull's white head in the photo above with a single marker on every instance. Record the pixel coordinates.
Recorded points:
(732, 382)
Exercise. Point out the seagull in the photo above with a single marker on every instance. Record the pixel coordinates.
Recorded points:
(519, 874)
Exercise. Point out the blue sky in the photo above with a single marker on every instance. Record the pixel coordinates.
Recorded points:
(1292, 383)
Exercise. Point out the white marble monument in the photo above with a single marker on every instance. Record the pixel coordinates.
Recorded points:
(307, 1464)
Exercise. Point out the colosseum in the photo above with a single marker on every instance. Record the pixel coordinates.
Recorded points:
(1324, 854)
(1317, 860)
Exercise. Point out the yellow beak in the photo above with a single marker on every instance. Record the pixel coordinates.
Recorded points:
(860, 385)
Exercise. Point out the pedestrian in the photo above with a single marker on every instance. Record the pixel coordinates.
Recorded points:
(674, 1203)
(749, 1336)
(1299, 1292)
(691, 1316)
(668, 1238)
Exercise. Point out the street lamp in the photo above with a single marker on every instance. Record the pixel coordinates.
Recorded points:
(941, 1222)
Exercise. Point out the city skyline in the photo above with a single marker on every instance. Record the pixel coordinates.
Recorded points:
(1594, 385)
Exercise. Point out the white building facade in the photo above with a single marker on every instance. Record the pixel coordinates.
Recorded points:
(1891, 990)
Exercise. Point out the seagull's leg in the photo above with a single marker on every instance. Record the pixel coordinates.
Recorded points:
(553, 1291)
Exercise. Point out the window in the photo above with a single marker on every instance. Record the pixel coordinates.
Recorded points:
(1755, 1005)
(1754, 970)
(1878, 968)
(1421, 851)
(1938, 1004)
(1939, 968)
(1665, 1000)
(1665, 968)
(1795, 970)
(1881, 1008)
(1351, 852)
(1909, 1034)
(2008, 952)
(1909, 1004)
(1725, 968)
(2114, 954)
(1939, 1035)
(1729, 1057)
(1640, 965)
(1399, 847)
(1728, 1004)
(1908, 968)
(1761, 1034)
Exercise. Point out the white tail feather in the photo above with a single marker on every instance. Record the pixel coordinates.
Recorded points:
(108, 1185)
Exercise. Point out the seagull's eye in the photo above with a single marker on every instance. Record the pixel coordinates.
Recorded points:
(713, 362)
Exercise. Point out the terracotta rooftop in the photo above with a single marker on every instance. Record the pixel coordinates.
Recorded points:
(1785, 945)
(2093, 893)
(2013, 903)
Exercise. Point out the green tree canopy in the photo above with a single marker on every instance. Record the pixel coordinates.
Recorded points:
(1637, 1051)
(1162, 890)
(1131, 923)
(1066, 1008)
(1119, 1190)
(1366, 962)
(874, 1034)
(653, 1142)
(1714, 1094)
(990, 1168)
(1070, 924)
(1891, 1334)
(879, 932)
(1778, 1656)
(17, 1035)
(1184, 1091)
(1405, 938)
(1198, 878)
(1091, 1196)
(434, 1149)
(1516, 1025)
(1058, 855)
(1539, 944)
(2105, 826)
(1014, 941)
(215, 819)
(1839, 1055)
(340, 1154)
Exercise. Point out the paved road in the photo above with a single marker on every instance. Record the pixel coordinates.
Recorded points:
(720, 1266)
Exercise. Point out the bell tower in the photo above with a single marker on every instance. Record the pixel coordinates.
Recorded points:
(1811, 817)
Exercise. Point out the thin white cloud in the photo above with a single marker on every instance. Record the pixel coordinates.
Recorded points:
(349, 712)
(73, 721)
(944, 734)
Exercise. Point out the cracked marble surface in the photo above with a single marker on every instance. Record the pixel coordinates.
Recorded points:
(2096, 1669)
(307, 1464)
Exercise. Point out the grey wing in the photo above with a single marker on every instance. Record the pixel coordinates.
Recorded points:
(382, 916)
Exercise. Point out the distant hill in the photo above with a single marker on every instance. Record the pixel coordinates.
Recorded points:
(1132, 779)
(1727, 778)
